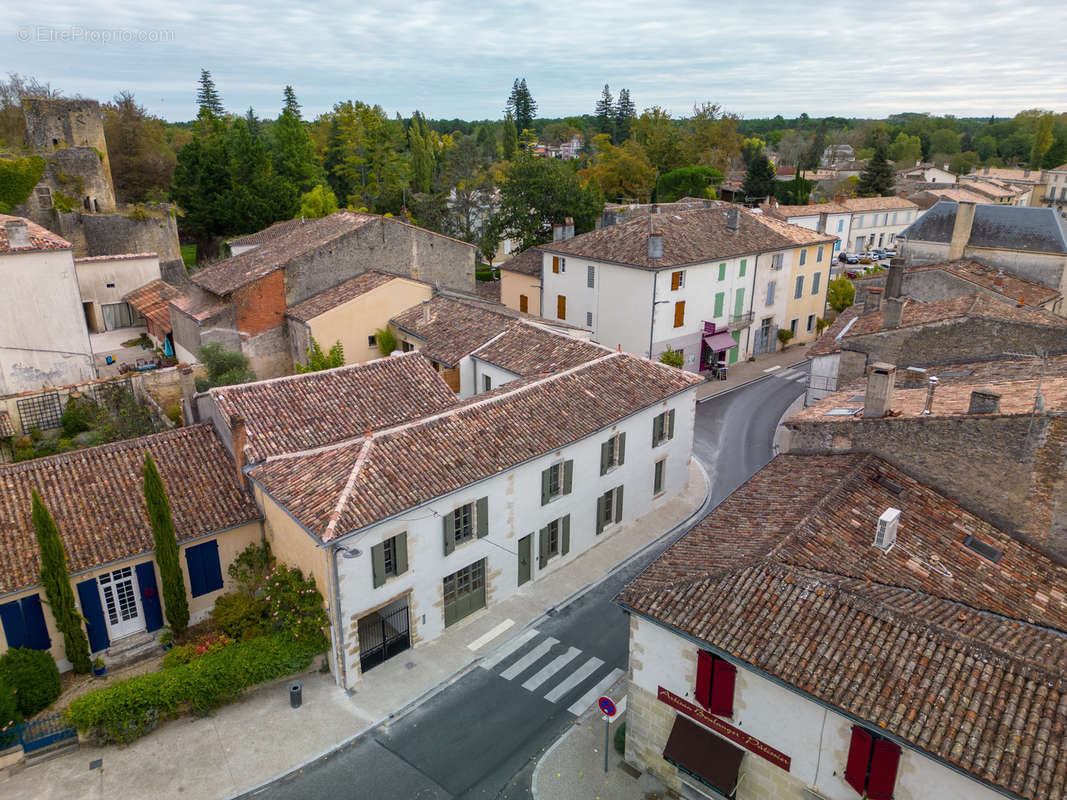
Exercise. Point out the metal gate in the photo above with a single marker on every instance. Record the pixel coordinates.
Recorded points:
(382, 636)
(41, 733)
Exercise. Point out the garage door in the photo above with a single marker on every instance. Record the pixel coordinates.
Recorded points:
(464, 592)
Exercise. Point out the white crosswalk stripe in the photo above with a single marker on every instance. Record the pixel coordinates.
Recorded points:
(590, 697)
(528, 660)
(505, 651)
(580, 675)
(551, 668)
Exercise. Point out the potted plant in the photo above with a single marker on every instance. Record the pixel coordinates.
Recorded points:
(166, 638)
(98, 666)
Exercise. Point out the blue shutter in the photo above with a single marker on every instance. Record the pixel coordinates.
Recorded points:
(14, 626)
(36, 627)
(93, 611)
(205, 572)
(146, 580)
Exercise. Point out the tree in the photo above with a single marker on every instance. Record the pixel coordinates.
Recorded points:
(521, 105)
(1056, 155)
(795, 192)
(660, 137)
(713, 137)
(167, 557)
(141, 159)
(784, 335)
(840, 293)
(294, 156)
(289, 97)
(386, 341)
(944, 141)
(625, 111)
(201, 186)
(1042, 140)
(751, 149)
(672, 358)
(207, 97)
(877, 177)
(255, 127)
(317, 360)
(257, 196)
(604, 109)
(687, 182)
(818, 144)
(621, 172)
(906, 150)
(224, 367)
(510, 140)
(421, 154)
(759, 180)
(56, 582)
(319, 202)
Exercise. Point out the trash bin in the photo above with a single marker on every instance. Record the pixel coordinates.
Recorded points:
(295, 694)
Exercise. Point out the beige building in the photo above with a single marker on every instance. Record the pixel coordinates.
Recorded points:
(520, 281)
(351, 313)
(104, 282)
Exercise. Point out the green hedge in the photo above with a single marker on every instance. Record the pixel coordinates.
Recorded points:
(121, 713)
(33, 675)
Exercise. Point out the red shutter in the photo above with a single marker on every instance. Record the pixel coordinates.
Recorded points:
(722, 688)
(883, 770)
(703, 687)
(859, 756)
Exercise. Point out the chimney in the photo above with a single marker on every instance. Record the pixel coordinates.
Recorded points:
(894, 306)
(881, 379)
(568, 228)
(961, 230)
(655, 247)
(188, 386)
(931, 386)
(839, 198)
(237, 434)
(425, 312)
(557, 232)
(654, 209)
(873, 299)
(984, 401)
(894, 281)
(1026, 173)
(733, 220)
(18, 234)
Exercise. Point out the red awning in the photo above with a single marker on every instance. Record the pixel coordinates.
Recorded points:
(700, 753)
(720, 341)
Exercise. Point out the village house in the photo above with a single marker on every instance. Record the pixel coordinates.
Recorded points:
(1056, 189)
(831, 218)
(877, 221)
(152, 303)
(838, 629)
(1031, 182)
(520, 281)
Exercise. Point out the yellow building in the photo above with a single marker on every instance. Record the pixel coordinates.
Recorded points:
(520, 282)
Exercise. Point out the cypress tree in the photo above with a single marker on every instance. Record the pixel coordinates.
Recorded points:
(510, 140)
(57, 589)
(170, 568)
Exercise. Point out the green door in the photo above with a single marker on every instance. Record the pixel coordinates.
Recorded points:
(735, 350)
(464, 592)
(525, 554)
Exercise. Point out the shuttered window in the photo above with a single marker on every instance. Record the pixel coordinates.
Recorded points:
(590, 276)
(677, 280)
(561, 306)
(612, 453)
(524, 303)
(722, 271)
(679, 313)
(24, 624)
(799, 288)
(815, 282)
(609, 508)
(658, 475)
(872, 764)
(741, 271)
(205, 571)
(714, 688)
(803, 257)
(389, 559)
(557, 480)
(662, 427)
(720, 298)
(770, 293)
(465, 523)
(818, 255)
(555, 264)
(554, 540)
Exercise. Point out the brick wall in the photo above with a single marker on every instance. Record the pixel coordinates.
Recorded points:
(261, 304)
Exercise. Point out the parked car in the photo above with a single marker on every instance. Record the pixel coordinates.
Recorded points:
(889, 252)
(850, 258)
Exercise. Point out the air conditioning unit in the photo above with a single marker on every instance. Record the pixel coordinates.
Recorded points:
(886, 535)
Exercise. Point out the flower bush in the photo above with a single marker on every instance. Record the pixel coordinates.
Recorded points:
(240, 615)
(294, 604)
(201, 646)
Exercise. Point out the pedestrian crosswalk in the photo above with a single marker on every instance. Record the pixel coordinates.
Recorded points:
(545, 664)
(793, 374)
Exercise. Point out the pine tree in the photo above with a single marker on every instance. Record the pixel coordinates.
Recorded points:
(167, 556)
(625, 111)
(207, 97)
(57, 589)
(291, 105)
(759, 180)
(295, 159)
(878, 177)
(252, 121)
(521, 105)
(510, 137)
(605, 113)
(421, 157)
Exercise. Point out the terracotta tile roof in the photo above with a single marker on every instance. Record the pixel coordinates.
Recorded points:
(1006, 368)
(336, 490)
(489, 291)
(6, 428)
(528, 262)
(797, 234)
(915, 314)
(152, 300)
(198, 304)
(863, 204)
(97, 499)
(1060, 168)
(117, 257)
(299, 412)
(1007, 174)
(277, 251)
(278, 229)
(785, 212)
(957, 656)
(956, 195)
(526, 349)
(456, 327)
(341, 293)
(983, 275)
(689, 237)
(40, 238)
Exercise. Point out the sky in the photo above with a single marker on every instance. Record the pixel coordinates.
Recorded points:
(850, 58)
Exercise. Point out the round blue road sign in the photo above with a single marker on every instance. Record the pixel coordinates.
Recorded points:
(607, 706)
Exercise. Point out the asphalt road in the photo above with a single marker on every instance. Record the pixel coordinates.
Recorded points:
(480, 737)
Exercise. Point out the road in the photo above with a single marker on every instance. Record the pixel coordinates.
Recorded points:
(480, 737)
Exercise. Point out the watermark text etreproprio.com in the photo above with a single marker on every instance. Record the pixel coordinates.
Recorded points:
(76, 33)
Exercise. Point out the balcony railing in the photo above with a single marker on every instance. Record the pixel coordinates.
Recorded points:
(740, 321)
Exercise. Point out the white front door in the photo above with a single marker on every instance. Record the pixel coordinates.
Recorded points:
(122, 606)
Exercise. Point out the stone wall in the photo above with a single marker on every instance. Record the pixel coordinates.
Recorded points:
(928, 286)
(55, 123)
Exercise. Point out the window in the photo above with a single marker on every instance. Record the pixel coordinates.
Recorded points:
(719, 298)
(722, 271)
(559, 264)
(818, 255)
(881, 237)
(658, 475)
(744, 265)
(837, 245)
(487, 383)
(24, 624)
(389, 559)
(608, 508)
(739, 303)
(590, 276)
(799, 288)
(815, 282)
(554, 540)
(803, 256)
(770, 293)
(811, 322)
(561, 306)
(677, 280)
(872, 764)
(372, 341)
(406, 346)
(556, 481)
(524, 304)
(205, 572)
(776, 261)
(466, 523)
(894, 217)
(715, 684)
(663, 427)
(885, 219)
(840, 225)
(793, 326)
(859, 221)
(589, 319)
(679, 313)
(612, 453)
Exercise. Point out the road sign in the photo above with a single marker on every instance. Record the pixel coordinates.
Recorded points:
(607, 706)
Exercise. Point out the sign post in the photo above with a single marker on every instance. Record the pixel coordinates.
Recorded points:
(608, 707)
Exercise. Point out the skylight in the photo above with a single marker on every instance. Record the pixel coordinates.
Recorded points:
(984, 549)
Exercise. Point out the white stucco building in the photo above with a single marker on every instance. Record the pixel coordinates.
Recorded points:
(829, 218)
(877, 221)
(104, 283)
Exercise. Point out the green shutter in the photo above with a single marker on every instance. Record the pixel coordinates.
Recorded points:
(565, 535)
(657, 429)
(377, 560)
(481, 516)
(542, 548)
(599, 515)
(618, 503)
(568, 476)
(670, 424)
(741, 272)
(739, 303)
(622, 449)
(545, 483)
(401, 553)
(450, 532)
(719, 298)
(722, 271)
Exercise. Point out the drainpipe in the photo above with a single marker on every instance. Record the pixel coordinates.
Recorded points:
(752, 304)
(652, 319)
(338, 626)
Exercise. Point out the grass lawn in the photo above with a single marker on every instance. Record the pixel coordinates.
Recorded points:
(189, 254)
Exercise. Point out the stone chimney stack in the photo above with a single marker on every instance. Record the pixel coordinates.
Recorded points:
(188, 385)
(894, 282)
(930, 389)
(873, 300)
(733, 220)
(568, 228)
(239, 437)
(425, 312)
(984, 401)
(894, 307)
(655, 247)
(881, 380)
(961, 230)
(557, 232)
(18, 234)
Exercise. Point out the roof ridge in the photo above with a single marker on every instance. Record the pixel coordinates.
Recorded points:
(217, 390)
(342, 498)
